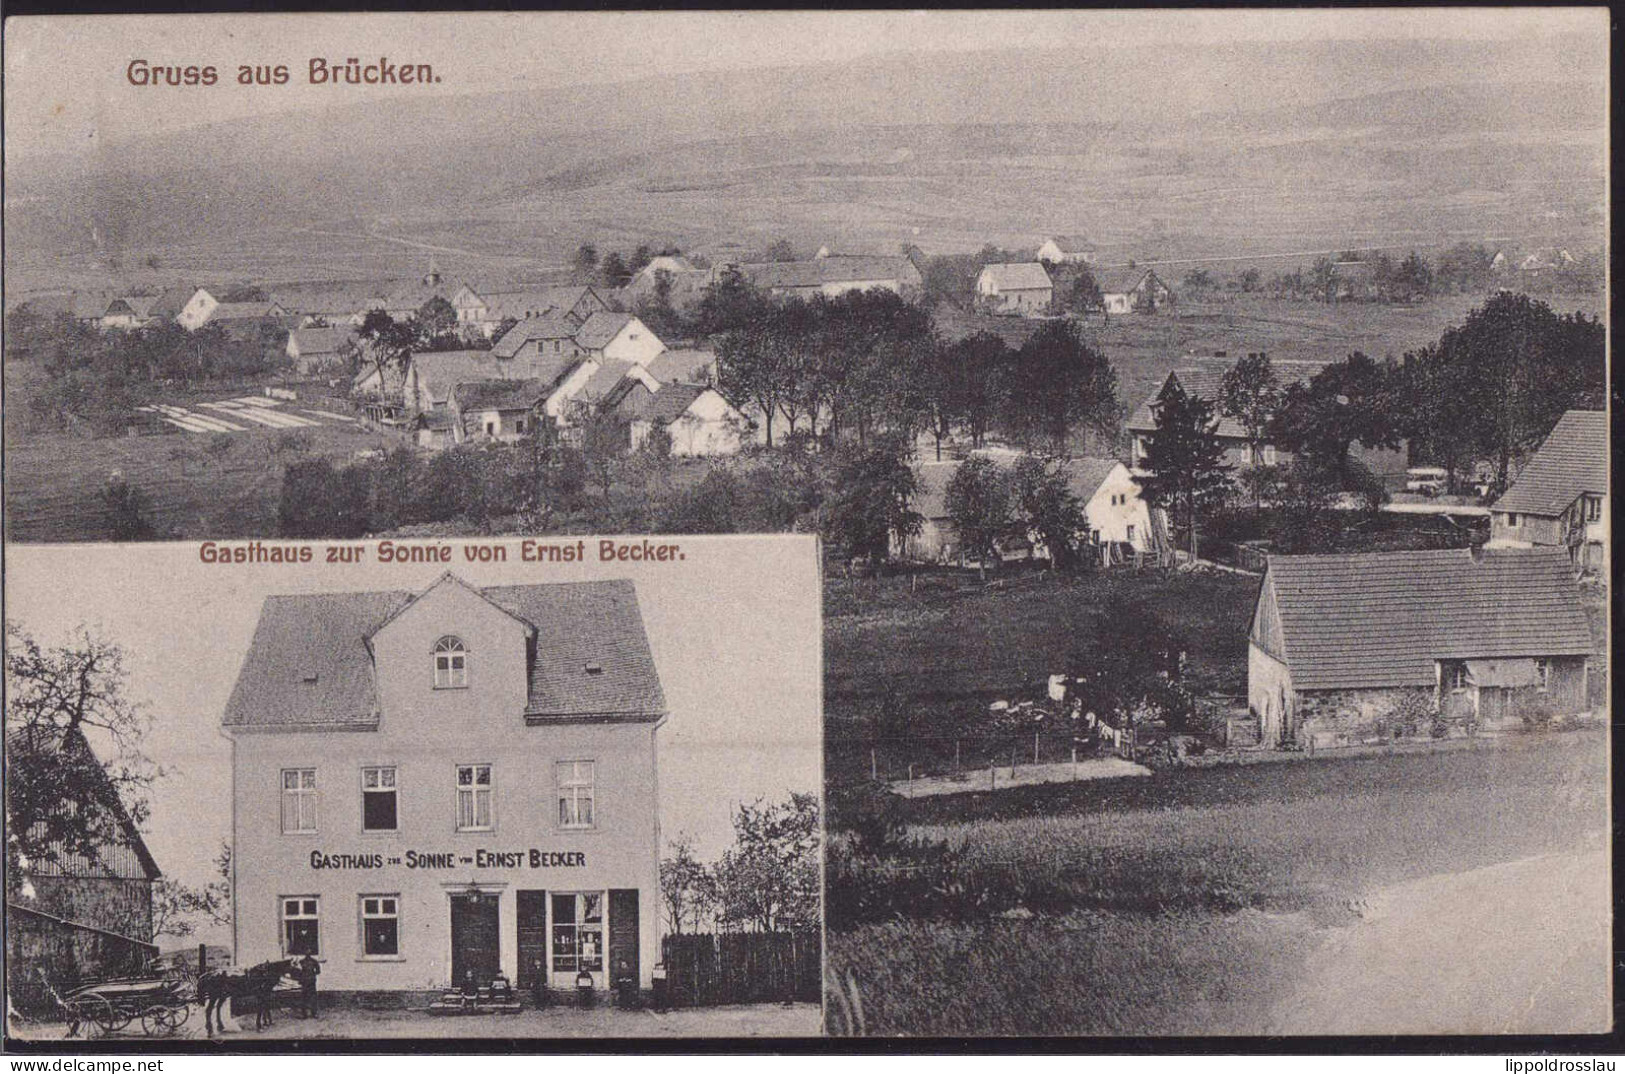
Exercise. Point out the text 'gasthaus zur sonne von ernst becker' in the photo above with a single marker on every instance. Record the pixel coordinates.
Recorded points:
(526, 550)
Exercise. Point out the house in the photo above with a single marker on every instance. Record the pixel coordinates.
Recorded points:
(1545, 260)
(1023, 289)
(643, 282)
(698, 419)
(552, 334)
(73, 918)
(619, 337)
(830, 276)
(1137, 290)
(496, 409)
(489, 309)
(1561, 497)
(227, 314)
(311, 348)
(1120, 524)
(198, 309)
(1340, 643)
(436, 787)
(683, 366)
(1204, 382)
(1066, 250)
(432, 376)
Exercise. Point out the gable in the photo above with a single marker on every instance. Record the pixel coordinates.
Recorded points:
(1266, 627)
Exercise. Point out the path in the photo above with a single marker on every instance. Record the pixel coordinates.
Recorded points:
(983, 779)
(1521, 947)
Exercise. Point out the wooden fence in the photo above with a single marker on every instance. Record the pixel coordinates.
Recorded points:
(710, 969)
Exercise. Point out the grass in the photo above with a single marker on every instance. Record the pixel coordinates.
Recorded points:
(1186, 902)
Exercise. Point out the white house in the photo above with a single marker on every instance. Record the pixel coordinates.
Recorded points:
(698, 419)
(1067, 249)
(1126, 290)
(437, 788)
(619, 337)
(197, 310)
(1021, 288)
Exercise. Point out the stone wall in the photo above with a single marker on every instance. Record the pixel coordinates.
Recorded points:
(1349, 717)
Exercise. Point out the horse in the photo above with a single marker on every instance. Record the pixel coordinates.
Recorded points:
(218, 986)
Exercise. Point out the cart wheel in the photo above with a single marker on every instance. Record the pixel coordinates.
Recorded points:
(109, 1018)
(175, 1017)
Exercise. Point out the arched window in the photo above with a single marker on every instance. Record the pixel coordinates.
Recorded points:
(450, 664)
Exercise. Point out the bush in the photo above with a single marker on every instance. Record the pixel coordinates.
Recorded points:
(1410, 714)
(127, 505)
(319, 501)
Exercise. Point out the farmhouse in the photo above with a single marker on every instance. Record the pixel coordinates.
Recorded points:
(311, 348)
(197, 309)
(495, 409)
(73, 918)
(831, 276)
(698, 419)
(1067, 249)
(576, 302)
(1023, 289)
(1120, 524)
(1339, 643)
(440, 787)
(1561, 497)
(129, 311)
(1138, 290)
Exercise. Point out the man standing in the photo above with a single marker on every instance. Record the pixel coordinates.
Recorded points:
(306, 971)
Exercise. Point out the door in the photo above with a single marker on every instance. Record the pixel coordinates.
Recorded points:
(532, 938)
(623, 935)
(474, 952)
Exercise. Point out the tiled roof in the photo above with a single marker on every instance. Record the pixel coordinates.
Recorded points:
(668, 404)
(1084, 476)
(441, 371)
(768, 275)
(533, 302)
(1572, 461)
(309, 666)
(602, 381)
(1119, 281)
(1381, 619)
(551, 325)
(1018, 276)
(314, 340)
(233, 311)
(499, 394)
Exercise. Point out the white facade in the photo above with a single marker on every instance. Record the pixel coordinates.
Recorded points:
(1117, 513)
(198, 309)
(457, 838)
(709, 427)
(1052, 252)
(633, 343)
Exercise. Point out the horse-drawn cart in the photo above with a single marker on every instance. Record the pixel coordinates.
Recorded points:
(161, 1004)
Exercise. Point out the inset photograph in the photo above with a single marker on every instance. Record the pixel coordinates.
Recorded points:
(418, 794)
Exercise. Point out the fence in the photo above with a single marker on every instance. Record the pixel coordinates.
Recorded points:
(710, 969)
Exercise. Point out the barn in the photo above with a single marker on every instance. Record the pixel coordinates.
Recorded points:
(1342, 646)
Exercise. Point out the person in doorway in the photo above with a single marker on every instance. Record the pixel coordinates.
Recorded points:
(306, 971)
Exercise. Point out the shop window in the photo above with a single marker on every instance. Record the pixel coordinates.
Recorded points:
(578, 932)
(380, 926)
(474, 797)
(450, 664)
(575, 794)
(301, 925)
(298, 800)
(379, 812)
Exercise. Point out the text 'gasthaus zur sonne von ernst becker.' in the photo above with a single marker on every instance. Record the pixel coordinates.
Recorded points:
(526, 550)
(318, 71)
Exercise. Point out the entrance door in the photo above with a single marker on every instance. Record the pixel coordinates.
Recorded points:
(532, 938)
(623, 935)
(474, 945)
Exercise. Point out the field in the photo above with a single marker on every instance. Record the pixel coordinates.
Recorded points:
(1203, 902)
(53, 480)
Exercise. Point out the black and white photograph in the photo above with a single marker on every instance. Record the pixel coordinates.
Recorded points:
(1201, 418)
(397, 799)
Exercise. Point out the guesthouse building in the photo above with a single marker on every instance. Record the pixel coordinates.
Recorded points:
(441, 787)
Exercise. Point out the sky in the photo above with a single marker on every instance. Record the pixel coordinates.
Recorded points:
(66, 84)
(734, 630)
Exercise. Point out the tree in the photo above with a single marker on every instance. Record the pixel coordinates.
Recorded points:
(730, 302)
(436, 323)
(1046, 508)
(768, 881)
(127, 510)
(1306, 515)
(612, 270)
(585, 260)
(1250, 280)
(977, 500)
(779, 250)
(318, 500)
(870, 501)
(1083, 294)
(56, 700)
(1127, 670)
(176, 907)
(1250, 393)
(1198, 280)
(603, 440)
(1184, 459)
(1349, 401)
(688, 890)
(1057, 384)
(386, 344)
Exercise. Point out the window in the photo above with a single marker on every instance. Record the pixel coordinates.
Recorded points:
(520, 427)
(301, 925)
(1455, 676)
(1130, 535)
(490, 428)
(575, 794)
(378, 799)
(473, 797)
(1543, 674)
(1269, 454)
(450, 664)
(298, 800)
(1593, 508)
(380, 926)
(578, 932)
(1512, 519)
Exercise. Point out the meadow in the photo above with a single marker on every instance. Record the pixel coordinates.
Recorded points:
(1186, 903)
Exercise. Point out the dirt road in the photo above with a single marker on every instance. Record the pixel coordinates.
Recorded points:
(1521, 947)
